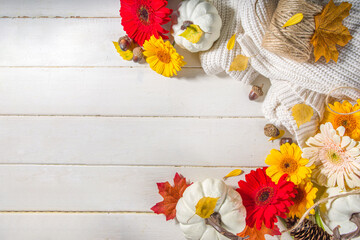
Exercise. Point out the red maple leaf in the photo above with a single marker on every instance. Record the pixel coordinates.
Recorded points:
(255, 234)
(171, 195)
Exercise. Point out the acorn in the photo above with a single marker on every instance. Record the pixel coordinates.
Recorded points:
(286, 140)
(271, 131)
(137, 54)
(256, 92)
(125, 42)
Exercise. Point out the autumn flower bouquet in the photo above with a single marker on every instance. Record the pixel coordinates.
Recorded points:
(312, 191)
(145, 21)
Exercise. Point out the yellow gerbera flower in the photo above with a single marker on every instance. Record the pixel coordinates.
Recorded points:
(351, 122)
(304, 199)
(162, 57)
(287, 161)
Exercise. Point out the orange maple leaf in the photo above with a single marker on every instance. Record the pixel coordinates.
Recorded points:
(171, 196)
(255, 234)
(330, 31)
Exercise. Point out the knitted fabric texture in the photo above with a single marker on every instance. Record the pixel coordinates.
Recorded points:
(291, 82)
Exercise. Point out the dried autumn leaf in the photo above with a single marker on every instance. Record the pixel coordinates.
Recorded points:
(193, 33)
(329, 31)
(171, 196)
(294, 20)
(126, 55)
(255, 234)
(233, 173)
(302, 113)
(231, 43)
(281, 133)
(239, 63)
(206, 206)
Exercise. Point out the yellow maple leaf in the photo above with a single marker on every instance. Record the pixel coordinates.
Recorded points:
(206, 206)
(329, 31)
(302, 113)
(126, 55)
(231, 43)
(255, 234)
(233, 173)
(239, 63)
(294, 20)
(193, 33)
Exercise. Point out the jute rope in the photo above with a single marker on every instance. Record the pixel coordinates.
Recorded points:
(292, 42)
(317, 204)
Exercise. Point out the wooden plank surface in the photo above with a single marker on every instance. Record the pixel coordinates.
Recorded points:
(66, 42)
(92, 188)
(64, 8)
(83, 130)
(122, 92)
(17, 226)
(134, 141)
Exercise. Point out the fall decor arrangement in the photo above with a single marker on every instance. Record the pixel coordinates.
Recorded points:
(195, 26)
(311, 184)
(307, 29)
(322, 180)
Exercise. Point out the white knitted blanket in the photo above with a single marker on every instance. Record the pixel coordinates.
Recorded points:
(291, 82)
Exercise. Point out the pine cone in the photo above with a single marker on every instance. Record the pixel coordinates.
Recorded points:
(307, 230)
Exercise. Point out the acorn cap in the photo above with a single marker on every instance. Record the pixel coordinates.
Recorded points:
(258, 90)
(271, 131)
(126, 37)
(138, 52)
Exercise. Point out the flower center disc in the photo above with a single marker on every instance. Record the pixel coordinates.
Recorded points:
(289, 165)
(163, 56)
(143, 14)
(335, 157)
(264, 196)
(347, 121)
(299, 197)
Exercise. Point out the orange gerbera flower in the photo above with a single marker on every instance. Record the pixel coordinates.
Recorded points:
(351, 122)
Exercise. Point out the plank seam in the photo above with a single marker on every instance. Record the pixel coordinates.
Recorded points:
(119, 165)
(130, 116)
(55, 17)
(72, 212)
(140, 66)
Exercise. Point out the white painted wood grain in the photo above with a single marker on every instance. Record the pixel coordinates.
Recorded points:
(122, 91)
(63, 8)
(89, 227)
(92, 188)
(134, 141)
(66, 42)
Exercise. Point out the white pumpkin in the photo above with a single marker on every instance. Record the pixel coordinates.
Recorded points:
(339, 211)
(203, 14)
(229, 206)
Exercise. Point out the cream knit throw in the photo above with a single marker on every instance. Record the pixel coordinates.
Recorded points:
(291, 82)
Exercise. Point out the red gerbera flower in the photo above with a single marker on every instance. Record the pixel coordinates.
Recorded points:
(263, 199)
(143, 18)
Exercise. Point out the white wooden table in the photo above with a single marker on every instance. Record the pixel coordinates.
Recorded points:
(85, 135)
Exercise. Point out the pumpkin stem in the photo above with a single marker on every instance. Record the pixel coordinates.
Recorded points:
(186, 24)
(355, 218)
(215, 221)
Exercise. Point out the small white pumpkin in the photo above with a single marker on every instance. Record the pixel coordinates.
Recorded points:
(229, 206)
(203, 14)
(339, 211)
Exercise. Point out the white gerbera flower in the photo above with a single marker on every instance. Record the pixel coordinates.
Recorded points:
(336, 157)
